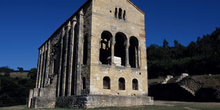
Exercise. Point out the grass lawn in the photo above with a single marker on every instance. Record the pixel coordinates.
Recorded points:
(161, 105)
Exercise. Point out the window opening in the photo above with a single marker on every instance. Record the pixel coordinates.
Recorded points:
(133, 53)
(116, 12)
(105, 48)
(120, 13)
(106, 83)
(85, 49)
(124, 15)
(84, 82)
(121, 84)
(120, 48)
(135, 84)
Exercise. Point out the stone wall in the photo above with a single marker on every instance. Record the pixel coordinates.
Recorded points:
(94, 101)
(103, 19)
(76, 64)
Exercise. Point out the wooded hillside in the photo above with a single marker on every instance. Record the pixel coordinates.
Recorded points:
(200, 57)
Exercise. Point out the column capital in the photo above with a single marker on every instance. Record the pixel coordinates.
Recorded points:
(74, 19)
(68, 25)
(81, 12)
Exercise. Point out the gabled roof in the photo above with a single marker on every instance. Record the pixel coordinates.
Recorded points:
(78, 11)
(136, 7)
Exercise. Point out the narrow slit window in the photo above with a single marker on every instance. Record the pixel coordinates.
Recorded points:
(84, 82)
(85, 50)
(116, 12)
(124, 15)
(120, 13)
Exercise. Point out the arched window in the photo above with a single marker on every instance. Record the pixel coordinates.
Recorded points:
(106, 83)
(120, 48)
(121, 84)
(135, 84)
(105, 48)
(120, 13)
(133, 53)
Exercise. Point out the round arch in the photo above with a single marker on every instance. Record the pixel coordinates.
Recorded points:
(121, 83)
(134, 52)
(105, 48)
(120, 47)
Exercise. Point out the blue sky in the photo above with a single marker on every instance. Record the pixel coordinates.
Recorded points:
(26, 24)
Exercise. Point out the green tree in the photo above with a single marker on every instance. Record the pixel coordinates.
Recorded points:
(5, 69)
(165, 43)
(176, 43)
(200, 57)
(20, 69)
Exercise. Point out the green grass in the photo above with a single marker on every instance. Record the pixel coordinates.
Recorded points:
(165, 106)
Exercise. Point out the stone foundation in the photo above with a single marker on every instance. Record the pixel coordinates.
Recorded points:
(94, 101)
(42, 98)
(43, 102)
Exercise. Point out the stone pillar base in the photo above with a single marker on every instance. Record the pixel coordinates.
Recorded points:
(42, 98)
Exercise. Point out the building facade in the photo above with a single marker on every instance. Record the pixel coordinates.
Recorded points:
(97, 58)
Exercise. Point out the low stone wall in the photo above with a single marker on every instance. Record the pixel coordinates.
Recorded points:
(94, 101)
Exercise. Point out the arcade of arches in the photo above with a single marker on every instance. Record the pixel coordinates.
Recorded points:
(118, 47)
(121, 83)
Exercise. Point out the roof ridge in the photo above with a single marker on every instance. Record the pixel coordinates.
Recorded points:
(135, 6)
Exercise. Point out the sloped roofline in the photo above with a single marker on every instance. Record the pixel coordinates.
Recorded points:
(136, 7)
(88, 1)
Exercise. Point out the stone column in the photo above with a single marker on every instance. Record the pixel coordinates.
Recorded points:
(127, 54)
(38, 70)
(139, 57)
(60, 64)
(65, 74)
(40, 67)
(80, 53)
(113, 52)
(65, 61)
(136, 57)
(47, 63)
(73, 23)
(44, 66)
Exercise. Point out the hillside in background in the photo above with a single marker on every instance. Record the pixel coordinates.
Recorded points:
(15, 86)
(198, 58)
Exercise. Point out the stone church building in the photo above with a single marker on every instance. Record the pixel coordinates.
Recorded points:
(96, 58)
